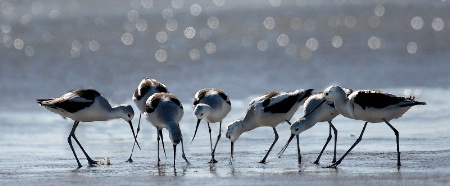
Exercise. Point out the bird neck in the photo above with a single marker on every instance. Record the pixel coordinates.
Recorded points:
(344, 107)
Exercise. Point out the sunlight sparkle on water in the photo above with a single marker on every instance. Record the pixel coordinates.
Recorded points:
(411, 47)
(437, 24)
(263, 45)
(336, 41)
(147, 4)
(189, 32)
(283, 40)
(417, 22)
(213, 22)
(171, 25)
(296, 24)
(194, 54)
(374, 43)
(312, 44)
(133, 16)
(177, 4)
(161, 37)
(141, 25)
(161, 55)
(210, 48)
(196, 10)
(127, 38)
(205, 33)
(167, 13)
(18, 44)
(379, 10)
(269, 23)
(29, 51)
(37, 8)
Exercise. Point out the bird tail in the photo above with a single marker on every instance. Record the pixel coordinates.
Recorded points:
(412, 103)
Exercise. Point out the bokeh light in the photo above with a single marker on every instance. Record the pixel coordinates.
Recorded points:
(312, 44)
(263, 45)
(374, 43)
(336, 41)
(210, 48)
(196, 10)
(411, 47)
(283, 40)
(127, 38)
(417, 22)
(18, 44)
(171, 25)
(437, 24)
(213, 22)
(161, 37)
(269, 23)
(161, 55)
(189, 32)
(194, 54)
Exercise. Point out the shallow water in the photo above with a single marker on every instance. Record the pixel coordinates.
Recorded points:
(246, 48)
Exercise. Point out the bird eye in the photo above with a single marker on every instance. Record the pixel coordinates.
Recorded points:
(326, 94)
(296, 129)
(129, 115)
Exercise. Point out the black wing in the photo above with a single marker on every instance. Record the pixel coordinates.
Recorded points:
(376, 99)
(283, 106)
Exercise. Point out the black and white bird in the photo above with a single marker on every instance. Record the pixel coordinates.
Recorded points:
(369, 106)
(213, 105)
(314, 112)
(146, 88)
(164, 110)
(268, 110)
(86, 105)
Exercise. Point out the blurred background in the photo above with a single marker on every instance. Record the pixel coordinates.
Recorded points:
(245, 47)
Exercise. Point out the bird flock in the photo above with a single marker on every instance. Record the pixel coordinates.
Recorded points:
(164, 110)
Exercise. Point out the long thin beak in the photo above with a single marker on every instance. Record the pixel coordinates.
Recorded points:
(285, 146)
(315, 108)
(198, 122)
(231, 159)
(132, 130)
(174, 154)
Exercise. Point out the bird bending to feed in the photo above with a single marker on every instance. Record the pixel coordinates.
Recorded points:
(164, 110)
(86, 105)
(213, 105)
(269, 110)
(369, 106)
(312, 114)
(145, 89)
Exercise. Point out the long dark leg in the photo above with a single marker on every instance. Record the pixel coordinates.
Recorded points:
(90, 161)
(69, 139)
(134, 144)
(397, 138)
(276, 139)
(356, 142)
(288, 122)
(182, 151)
(335, 140)
(174, 154)
(210, 138)
(298, 150)
(323, 148)
(162, 141)
(158, 138)
(217, 141)
(232, 151)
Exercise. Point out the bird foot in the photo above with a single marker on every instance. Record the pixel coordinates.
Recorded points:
(213, 161)
(129, 160)
(317, 162)
(92, 163)
(332, 166)
(263, 161)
